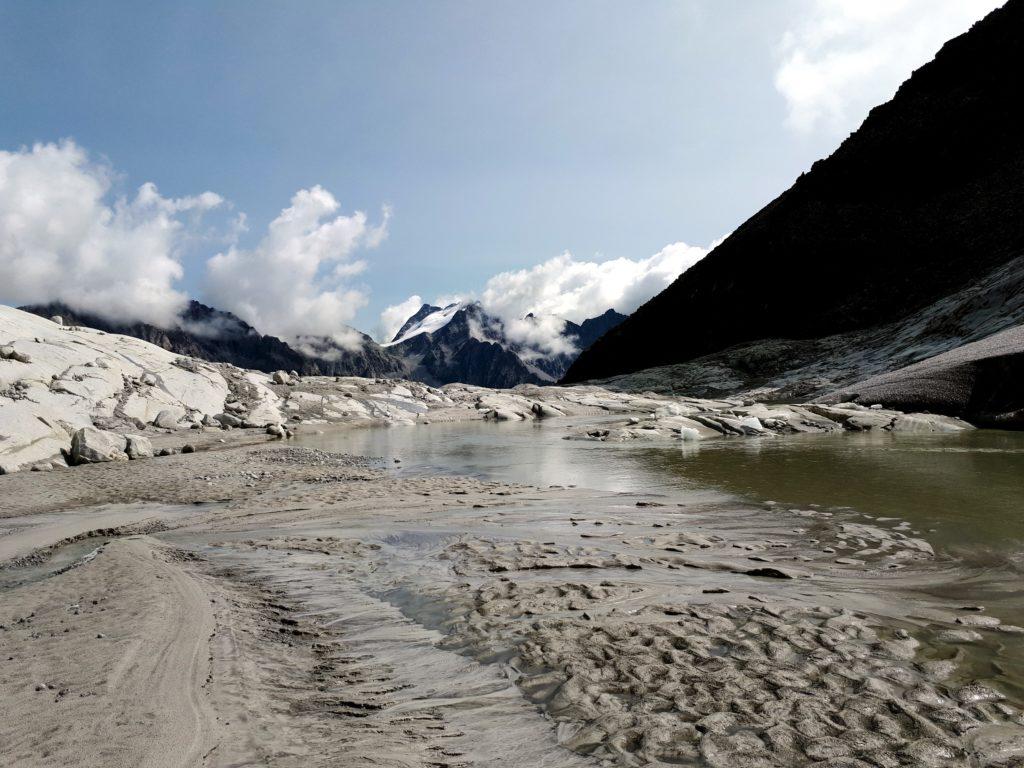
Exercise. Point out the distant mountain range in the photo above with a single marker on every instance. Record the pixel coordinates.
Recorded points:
(462, 342)
(218, 336)
(905, 243)
(459, 343)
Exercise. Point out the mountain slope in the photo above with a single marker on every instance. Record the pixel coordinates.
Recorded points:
(926, 197)
(463, 343)
(211, 334)
(459, 343)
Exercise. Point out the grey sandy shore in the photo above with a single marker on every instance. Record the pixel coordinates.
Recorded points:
(278, 605)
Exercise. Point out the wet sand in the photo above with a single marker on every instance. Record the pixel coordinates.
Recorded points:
(282, 605)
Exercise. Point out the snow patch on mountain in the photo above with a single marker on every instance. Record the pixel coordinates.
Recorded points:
(431, 323)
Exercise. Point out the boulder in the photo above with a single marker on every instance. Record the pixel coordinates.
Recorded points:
(138, 447)
(167, 419)
(57, 319)
(228, 420)
(545, 410)
(280, 377)
(91, 446)
(7, 352)
(277, 431)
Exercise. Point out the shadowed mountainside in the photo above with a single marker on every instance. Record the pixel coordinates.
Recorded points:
(924, 199)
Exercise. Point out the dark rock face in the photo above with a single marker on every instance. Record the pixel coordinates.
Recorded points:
(589, 331)
(211, 334)
(582, 335)
(796, 370)
(923, 199)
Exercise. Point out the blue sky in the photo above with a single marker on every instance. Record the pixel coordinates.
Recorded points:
(501, 134)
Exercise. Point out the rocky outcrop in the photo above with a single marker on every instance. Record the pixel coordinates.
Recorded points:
(980, 382)
(921, 201)
(94, 446)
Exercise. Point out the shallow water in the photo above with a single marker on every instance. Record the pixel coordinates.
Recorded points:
(964, 492)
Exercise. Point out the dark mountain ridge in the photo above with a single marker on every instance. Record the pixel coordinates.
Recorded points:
(218, 336)
(926, 197)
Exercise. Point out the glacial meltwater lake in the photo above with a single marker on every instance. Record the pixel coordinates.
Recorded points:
(964, 492)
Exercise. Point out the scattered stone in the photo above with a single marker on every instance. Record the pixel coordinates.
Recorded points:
(167, 419)
(90, 445)
(138, 447)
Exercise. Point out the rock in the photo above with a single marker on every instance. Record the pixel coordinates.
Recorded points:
(188, 448)
(276, 430)
(149, 379)
(167, 419)
(57, 319)
(7, 352)
(228, 420)
(209, 421)
(545, 410)
(138, 447)
(91, 446)
(280, 377)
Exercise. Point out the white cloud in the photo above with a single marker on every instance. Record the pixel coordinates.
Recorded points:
(62, 238)
(294, 282)
(846, 56)
(564, 288)
(393, 318)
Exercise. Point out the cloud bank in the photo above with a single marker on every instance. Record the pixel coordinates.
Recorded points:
(294, 282)
(565, 288)
(393, 318)
(846, 56)
(63, 238)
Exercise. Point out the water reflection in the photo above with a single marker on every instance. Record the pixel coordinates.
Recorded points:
(964, 491)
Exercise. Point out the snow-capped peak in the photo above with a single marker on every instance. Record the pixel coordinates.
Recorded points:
(432, 323)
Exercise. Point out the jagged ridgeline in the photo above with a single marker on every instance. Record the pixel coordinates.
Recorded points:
(221, 337)
(460, 343)
(463, 343)
(902, 245)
